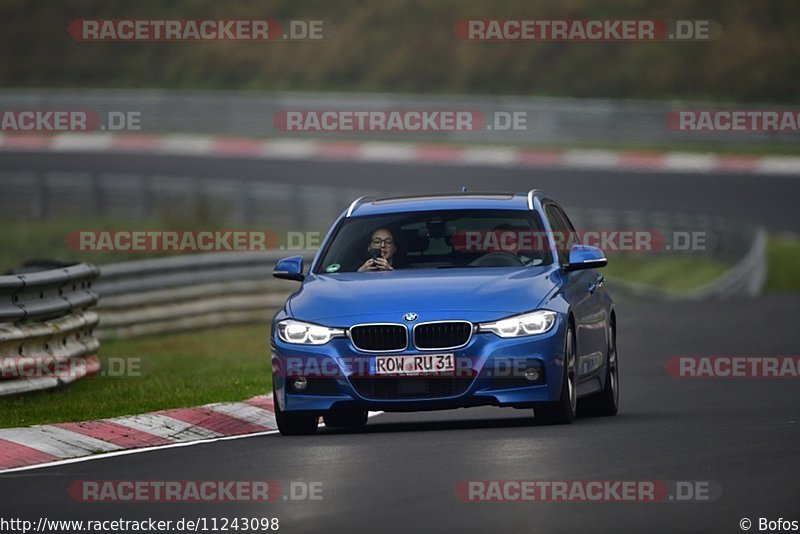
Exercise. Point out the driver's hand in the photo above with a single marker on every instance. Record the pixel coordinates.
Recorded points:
(383, 265)
(369, 265)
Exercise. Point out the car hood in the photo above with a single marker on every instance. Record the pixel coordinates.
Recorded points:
(489, 292)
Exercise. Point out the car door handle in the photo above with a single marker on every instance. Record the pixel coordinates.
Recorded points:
(598, 283)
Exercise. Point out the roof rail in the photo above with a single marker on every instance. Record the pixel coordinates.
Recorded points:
(357, 202)
(530, 196)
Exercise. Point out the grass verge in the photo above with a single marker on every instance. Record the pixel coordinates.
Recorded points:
(783, 255)
(671, 274)
(177, 370)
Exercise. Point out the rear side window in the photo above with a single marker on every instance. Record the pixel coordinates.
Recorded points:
(564, 233)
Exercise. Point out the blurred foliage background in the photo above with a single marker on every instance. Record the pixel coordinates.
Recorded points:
(410, 46)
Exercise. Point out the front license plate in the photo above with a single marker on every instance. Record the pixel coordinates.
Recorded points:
(415, 365)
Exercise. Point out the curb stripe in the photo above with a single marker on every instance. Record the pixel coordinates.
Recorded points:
(591, 159)
(435, 153)
(290, 148)
(540, 158)
(185, 144)
(233, 146)
(489, 156)
(125, 452)
(386, 152)
(262, 401)
(16, 455)
(642, 160)
(136, 142)
(111, 432)
(82, 142)
(339, 150)
(246, 412)
(26, 141)
(401, 152)
(214, 421)
(56, 441)
(165, 427)
(24, 448)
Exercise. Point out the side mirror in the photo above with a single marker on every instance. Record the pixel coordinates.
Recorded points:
(585, 257)
(290, 268)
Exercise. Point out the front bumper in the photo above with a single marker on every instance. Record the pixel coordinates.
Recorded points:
(488, 373)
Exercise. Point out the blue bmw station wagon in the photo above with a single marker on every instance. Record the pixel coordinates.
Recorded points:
(445, 301)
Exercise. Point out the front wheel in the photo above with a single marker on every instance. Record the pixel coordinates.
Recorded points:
(606, 402)
(293, 424)
(562, 412)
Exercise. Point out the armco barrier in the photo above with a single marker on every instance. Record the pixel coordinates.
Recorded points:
(46, 328)
(188, 292)
(740, 244)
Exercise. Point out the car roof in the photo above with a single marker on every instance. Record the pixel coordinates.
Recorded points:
(467, 200)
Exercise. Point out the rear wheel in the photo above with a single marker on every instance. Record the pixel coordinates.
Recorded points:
(294, 424)
(346, 417)
(562, 411)
(606, 402)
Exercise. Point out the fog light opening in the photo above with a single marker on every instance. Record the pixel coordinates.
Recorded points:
(300, 383)
(532, 374)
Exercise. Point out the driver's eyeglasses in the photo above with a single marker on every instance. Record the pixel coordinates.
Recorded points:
(377, 241)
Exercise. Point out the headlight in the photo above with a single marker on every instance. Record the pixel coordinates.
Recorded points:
(527, 324)
(300, 333)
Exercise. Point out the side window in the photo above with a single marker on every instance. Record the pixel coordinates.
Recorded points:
(560, 231)
(569, 224)
(571, 237)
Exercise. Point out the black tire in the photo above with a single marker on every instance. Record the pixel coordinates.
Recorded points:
(562, 412)
(292, 424)
(352, 418)
(606, 402)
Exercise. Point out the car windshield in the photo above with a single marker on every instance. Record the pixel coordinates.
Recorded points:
(438, 240)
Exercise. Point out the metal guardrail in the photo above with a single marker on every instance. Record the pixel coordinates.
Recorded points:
(46, 329)
(739, 244)
(46, 294)
(187, 292)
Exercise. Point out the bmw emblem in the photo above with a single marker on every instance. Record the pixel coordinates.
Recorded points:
(410, 316)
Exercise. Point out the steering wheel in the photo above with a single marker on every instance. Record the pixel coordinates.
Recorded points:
(497, 259)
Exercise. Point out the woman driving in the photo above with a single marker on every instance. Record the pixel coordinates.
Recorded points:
(382, 248)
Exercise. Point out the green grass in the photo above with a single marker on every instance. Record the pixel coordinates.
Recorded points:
(783, 254)
(672, 274)
(177, 370)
